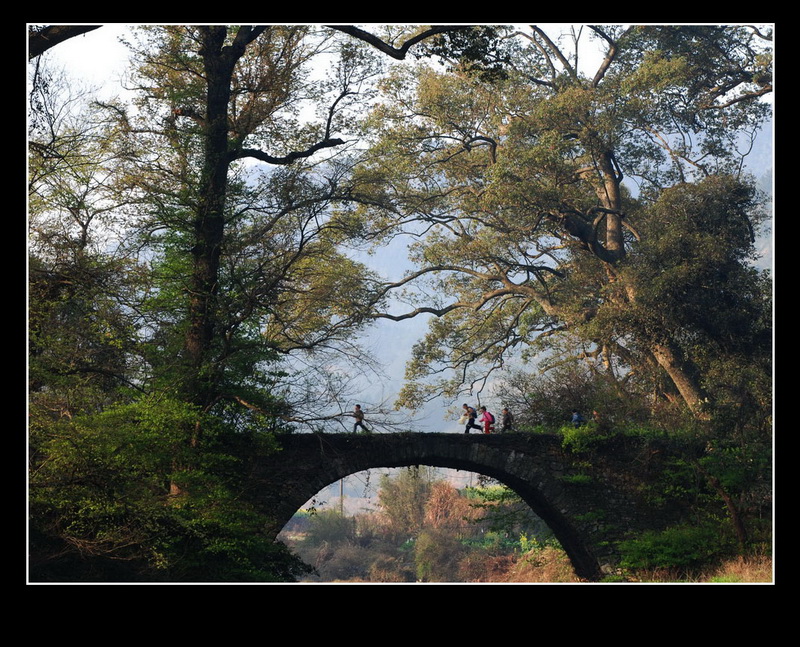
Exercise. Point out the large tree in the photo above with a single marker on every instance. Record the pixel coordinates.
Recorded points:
(529, 191)
(184, 241)
(225, 147)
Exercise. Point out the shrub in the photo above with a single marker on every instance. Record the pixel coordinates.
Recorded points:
(679, 547)
(577, 479)
(581, 439)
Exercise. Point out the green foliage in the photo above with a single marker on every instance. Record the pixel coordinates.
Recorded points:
(403, 499)
(583, 438)
(680, 547)
(165, 280)
(330, 527)
(692, 276)
(532, 544)
(127, 487)
(654, 291)
(458, 531)
(577, 479)
(154, 359)
(503, 512)
(478, 50)
(542, 397)
(738, 467)
(594, 516)
(437, 554)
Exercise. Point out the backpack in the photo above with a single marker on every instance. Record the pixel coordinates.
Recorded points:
(490, 417)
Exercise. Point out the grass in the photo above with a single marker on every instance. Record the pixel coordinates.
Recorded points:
(743, 570)
(737, 570)
(551, 564)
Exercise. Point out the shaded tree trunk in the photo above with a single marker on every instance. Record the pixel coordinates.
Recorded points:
(611, 198)
(733, 510)
(219, 61)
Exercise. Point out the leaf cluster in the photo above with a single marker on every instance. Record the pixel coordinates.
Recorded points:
(477, 50)
(679, 550)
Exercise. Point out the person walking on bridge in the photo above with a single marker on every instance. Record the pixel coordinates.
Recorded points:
(470, 414)
(358, 414)
(507, 421)
(487, 419)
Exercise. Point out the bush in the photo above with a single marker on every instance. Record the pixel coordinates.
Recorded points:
(581, 439)
(577, 479)
(680, 547)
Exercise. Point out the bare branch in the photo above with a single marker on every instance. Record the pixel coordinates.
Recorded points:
(554, 49)
(748, 96)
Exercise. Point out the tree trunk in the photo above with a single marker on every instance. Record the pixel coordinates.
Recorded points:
(209, 223)
(680, 376)
(733, 510)
(611, 198)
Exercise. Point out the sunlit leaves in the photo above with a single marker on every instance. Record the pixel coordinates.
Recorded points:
(311, 300)
(522, 190)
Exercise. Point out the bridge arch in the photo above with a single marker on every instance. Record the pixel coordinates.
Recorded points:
(587, 515)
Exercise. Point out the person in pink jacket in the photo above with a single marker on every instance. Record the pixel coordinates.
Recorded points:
(487, 419)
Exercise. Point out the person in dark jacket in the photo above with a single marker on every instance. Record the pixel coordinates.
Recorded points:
(358, 414)
(506, 421)
(470, 414)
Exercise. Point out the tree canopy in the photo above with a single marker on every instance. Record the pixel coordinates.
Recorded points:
(530, 194)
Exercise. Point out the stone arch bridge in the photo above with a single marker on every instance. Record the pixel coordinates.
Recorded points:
(589, 500)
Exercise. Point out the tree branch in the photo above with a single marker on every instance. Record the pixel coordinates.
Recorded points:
(40, 40)
(554, 49)
(290, 157)
(390, 50)
(610, 55)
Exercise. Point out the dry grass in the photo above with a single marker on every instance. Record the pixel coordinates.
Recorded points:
(743, 570)
(553, 565)
(738, 570)
(545, 565)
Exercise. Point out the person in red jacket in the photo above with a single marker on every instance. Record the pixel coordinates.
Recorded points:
(487, 419)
